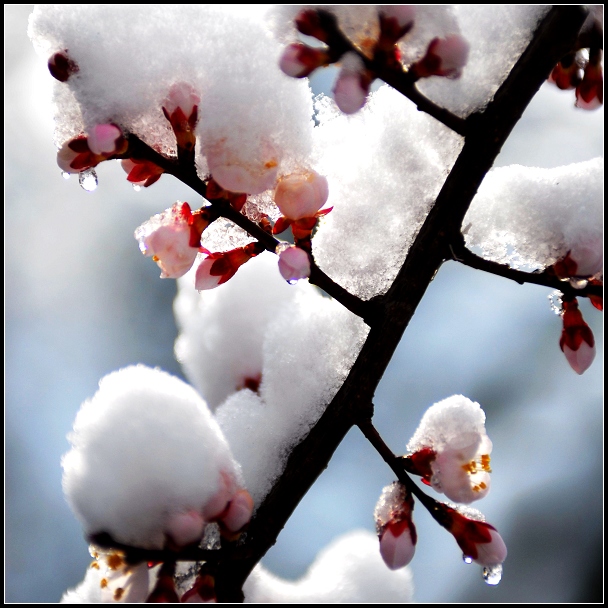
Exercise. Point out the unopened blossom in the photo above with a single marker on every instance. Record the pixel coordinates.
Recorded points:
(238, 174)
(299, 60)
(567, 73)
(577, 341)
(185, 528)
(300, 195)
(141, 172)
(394, 525)
(181, 110)
(61, 66)
(294, 264)
(590, 91)
(238, 513)
(585, 260)
(352, 85)
(172, 238)
(310, 23)
(217, 268)
(395, 22)
(86, 151)
(444, 57)
(451, 450)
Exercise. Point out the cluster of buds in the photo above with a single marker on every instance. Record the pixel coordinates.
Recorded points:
(299, 197)
(450, 450)
(84, 152)
(395, 527)
(577, 341)
(359, 68)
(582, 68)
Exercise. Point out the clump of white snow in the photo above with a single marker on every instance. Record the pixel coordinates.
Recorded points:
(144, 448)
(385, 167)
(349, 570)
(532, 217)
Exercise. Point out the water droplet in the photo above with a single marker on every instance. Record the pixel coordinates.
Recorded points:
(579, 283)
(292, 281)
(65, 175)
(136, 187)
(493, 574)
(467, 559)
(88, 180)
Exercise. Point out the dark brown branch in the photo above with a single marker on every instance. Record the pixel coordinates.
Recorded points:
(352, 404)
(545, 278)
(186, 173)
(402, 81)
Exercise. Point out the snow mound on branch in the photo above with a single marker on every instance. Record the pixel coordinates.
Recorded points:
(276, 353)
(532, 217)
(349, 570)
(144, 447)
(129, 56)
(385, 166)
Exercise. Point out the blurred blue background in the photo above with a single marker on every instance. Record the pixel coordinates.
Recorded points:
(81, 302)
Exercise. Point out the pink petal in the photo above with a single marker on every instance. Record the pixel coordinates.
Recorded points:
(185, 528)
(492, 553)
(103, 139)
(239, 512)
(349, 95)
(300, 195)
(294, 264)
(580, 359)
(396, 546)
(204, 279)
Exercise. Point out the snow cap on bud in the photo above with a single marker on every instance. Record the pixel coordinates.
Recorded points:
(444, 57)
(300, 195)
(352, 85)
(106, 140)
(395, 527)
(299, 60)
(577, 341)
(181, 110)
(217, 268)
(61, 66)
(451, 450)
(294, 264)
(172, 239)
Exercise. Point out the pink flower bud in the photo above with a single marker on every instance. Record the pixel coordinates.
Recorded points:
(395, 22)
(294, 264)
(577, 341)
(397, 545)
(141, 172)
(181, 110)
(299, 60)
(185, 528)
(106, 140)
(239, 511)
(396, 530)
(237, 174)
(217, 268)
(352, 86)
(219, 501)
(301, 195)
(444, 57)
(61, 66)
(167, 237)
(590, 92)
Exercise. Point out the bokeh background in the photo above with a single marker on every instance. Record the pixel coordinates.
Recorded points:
(81, 302)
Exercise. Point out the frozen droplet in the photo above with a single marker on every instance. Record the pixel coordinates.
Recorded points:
(467, 559)
(88, 180)
(555, 302)
(211, 537)
(578, 283)
(492, 574)
(136, 187)
(65, 175)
